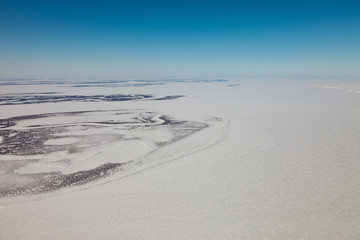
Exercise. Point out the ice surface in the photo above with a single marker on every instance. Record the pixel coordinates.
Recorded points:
(276, 160)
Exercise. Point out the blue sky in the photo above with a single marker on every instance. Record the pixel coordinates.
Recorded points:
(135, 38)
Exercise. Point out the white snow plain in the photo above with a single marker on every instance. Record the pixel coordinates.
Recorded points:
(278, 161)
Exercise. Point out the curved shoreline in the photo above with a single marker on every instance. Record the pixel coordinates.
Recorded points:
(40, 181)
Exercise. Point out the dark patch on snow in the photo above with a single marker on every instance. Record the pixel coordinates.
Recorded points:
(27, 145)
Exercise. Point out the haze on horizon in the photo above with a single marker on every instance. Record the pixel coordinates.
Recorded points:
(110, 39)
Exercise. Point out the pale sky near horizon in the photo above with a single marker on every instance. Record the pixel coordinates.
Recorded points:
(179, 38)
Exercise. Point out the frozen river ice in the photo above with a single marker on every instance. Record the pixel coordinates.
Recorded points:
(179, 160)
